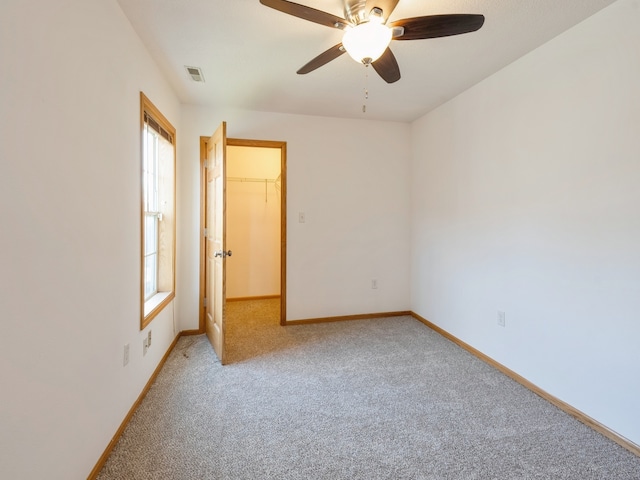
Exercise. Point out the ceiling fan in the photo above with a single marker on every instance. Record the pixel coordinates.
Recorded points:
(367, 34)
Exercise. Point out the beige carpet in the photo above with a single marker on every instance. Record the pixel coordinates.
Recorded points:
(253, 328)
(374, 399)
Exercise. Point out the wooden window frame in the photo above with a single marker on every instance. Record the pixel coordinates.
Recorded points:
(150, 308)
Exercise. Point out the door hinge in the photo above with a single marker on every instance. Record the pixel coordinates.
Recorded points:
(204, 232)
(206, 164)
(204, 302)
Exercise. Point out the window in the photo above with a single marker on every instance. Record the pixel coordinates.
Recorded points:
(158, 211)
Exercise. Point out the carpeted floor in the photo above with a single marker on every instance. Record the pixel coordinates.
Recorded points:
(372, 399)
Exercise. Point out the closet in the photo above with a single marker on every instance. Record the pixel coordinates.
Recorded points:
(253, 202)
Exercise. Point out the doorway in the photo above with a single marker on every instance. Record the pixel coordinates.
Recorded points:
(253, 196)
(255, 225)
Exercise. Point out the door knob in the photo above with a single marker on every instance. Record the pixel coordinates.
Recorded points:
(222, 253)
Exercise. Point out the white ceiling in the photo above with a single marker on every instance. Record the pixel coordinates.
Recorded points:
(249, 53)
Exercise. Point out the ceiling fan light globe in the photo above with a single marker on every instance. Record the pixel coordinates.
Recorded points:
(366, 42)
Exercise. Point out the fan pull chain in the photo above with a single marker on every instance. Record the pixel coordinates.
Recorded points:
(366, 88)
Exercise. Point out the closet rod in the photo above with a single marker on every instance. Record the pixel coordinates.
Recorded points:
(240, 179)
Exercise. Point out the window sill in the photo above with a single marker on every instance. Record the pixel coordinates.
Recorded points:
(154, 306)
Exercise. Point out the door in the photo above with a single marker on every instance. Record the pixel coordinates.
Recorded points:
(215, 249)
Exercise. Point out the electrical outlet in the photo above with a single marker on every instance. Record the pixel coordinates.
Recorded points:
(145, 345)
(125, 357)
(501, 318)
(374, 283)
(149, 339)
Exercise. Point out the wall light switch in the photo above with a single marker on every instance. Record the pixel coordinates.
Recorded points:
(301, 217)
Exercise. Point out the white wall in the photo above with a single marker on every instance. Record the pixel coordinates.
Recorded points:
(350, 179)
(69, 243)
(525, 199)
(253, 222)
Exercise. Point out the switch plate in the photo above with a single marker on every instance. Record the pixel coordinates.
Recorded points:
(149, 339)
(145, 345)
(501, 318)
(125, 357)
(301, 217)
(374, 283)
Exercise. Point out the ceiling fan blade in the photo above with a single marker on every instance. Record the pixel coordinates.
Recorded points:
(434, 26)
(306, 13)
(387, 67)
(387, 7)
(322, 59)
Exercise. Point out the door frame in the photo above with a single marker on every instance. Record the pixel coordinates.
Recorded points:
(239, 142)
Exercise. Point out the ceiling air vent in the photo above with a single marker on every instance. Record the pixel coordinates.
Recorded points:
(195, 73)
